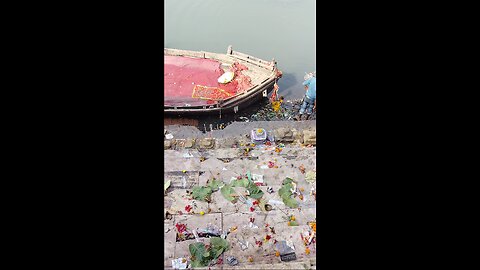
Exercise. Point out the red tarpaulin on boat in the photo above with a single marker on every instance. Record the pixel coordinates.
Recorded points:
(183, 74)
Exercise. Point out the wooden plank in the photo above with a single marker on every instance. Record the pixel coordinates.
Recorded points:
(253, 62)
(177, 52)
(253, 58)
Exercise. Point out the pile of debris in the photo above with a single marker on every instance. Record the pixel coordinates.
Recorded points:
(287, 111)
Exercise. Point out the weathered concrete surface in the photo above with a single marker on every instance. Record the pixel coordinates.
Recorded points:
(238, 133)
(310, 137)
(223, 163)
(237, 128)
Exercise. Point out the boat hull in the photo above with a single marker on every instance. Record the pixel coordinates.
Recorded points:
(266, 74)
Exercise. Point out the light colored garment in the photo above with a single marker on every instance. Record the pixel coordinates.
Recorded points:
(312, 87)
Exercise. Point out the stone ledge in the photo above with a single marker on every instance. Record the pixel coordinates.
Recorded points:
(285, 135)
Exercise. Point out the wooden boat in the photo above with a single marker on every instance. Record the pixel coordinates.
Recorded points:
(193, 81)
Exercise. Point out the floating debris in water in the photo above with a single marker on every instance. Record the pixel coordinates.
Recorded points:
(260, 112)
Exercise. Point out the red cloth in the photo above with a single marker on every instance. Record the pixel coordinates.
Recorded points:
(182, 74)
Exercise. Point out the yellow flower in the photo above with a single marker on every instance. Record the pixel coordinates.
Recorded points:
(276, 106)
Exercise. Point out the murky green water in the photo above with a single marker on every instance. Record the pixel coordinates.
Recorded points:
(280, 29)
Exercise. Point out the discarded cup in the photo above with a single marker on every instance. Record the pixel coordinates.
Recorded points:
(179, 263)
(232, 260)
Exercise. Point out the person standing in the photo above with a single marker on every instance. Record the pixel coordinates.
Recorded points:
(310, 100)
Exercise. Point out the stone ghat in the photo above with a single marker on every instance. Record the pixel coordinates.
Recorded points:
(194, 158)
(238, 134)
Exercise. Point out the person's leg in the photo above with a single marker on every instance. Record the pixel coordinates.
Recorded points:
(304, 106)
(309, 106)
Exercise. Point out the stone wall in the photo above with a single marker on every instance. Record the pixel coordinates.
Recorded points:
(285, 132)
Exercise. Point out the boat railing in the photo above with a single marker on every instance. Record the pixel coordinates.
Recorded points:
(270, 65)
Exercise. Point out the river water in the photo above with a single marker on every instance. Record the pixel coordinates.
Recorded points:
(280, 29)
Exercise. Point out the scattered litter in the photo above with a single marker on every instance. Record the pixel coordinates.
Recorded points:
(257, 178)
(224, 169)
(180, 263)
(232, 260)
(307, 237)
(310, 177)
(184, 182)
(211, 230)
(243, 244)
(264, 167)
(258, 136)
(195, 234)
(203, 255)
(252, 225)
(286, 192)
(286, 251)
(250, 258)
(302, 169)
(292, 223)
(187, 155)
(167, 230)
(181, 227)
(271, 164)
(169, 136)
(166, 185)
(270, 190)
(290, 244)
(313, 225)
(275, 202)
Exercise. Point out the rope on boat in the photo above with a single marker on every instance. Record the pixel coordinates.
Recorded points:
(274, 96)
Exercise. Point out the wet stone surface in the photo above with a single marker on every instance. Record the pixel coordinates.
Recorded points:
(259, 112)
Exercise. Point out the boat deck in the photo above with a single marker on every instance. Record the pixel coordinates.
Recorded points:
(183, 73)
